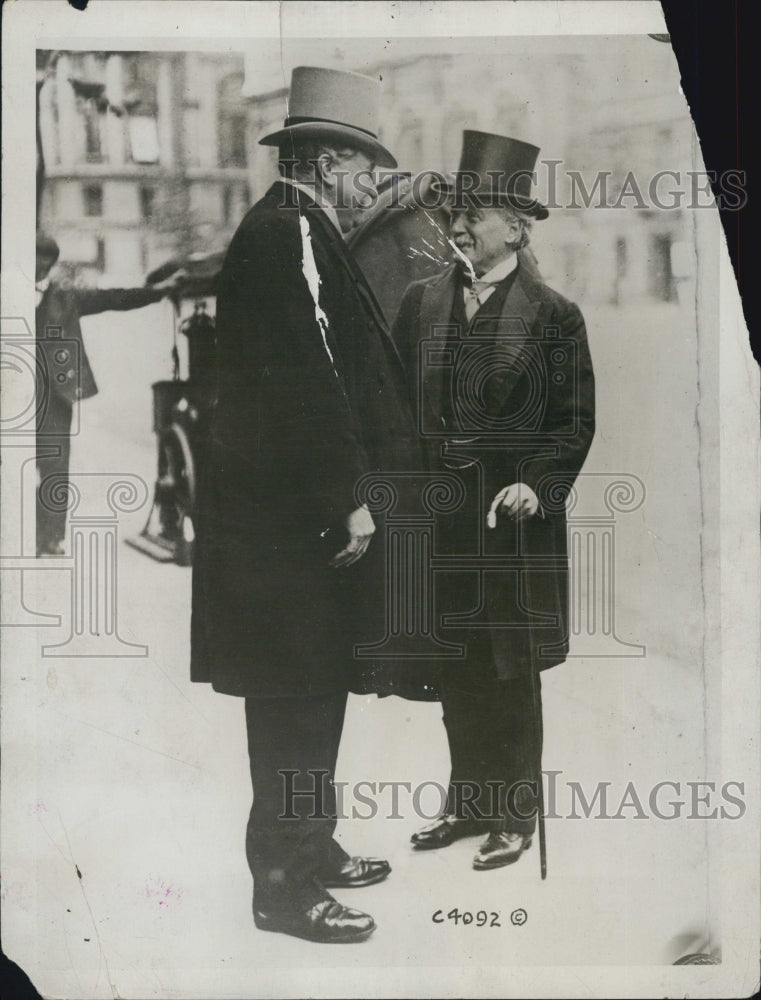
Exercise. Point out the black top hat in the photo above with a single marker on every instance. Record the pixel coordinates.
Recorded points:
(497, 170)
(333, 104)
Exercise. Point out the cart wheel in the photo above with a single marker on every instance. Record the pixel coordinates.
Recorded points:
(176, 491)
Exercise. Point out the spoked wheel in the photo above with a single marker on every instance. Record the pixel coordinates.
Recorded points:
(176, 491)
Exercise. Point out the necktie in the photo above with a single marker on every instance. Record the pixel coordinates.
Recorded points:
(474, 292)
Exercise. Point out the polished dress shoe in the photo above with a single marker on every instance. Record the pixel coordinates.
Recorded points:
(445, 831)
(326, 922)
(356, 872)
(500, 849)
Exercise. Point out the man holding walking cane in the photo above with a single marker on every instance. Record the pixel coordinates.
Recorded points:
(504, 391)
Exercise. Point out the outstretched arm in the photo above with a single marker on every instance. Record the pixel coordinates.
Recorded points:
(98, 300)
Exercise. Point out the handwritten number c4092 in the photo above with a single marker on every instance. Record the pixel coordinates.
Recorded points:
(482, 918)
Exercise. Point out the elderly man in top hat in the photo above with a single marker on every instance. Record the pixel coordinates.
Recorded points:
(505, 391)
(311, 397)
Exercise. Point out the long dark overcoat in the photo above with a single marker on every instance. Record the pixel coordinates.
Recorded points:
(517, 385)
(311, 397)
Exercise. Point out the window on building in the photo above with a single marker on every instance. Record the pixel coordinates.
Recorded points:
(140, 83)
(232, 119)
(232, 140)
(661, 279)
(147, 202)
(622, 257)
(227, 202)
(87, 80)
(143, 139)
(235, 202)
(621, 270)
(93, 144)
(191, 134)
(93, 199)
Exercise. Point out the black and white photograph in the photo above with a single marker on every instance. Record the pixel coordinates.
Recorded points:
(380, 537)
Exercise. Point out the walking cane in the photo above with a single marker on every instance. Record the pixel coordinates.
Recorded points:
(537, 706)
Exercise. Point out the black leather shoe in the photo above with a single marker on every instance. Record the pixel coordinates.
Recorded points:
(327, 922)
(445, 831)
(355, 872)
(500, 849)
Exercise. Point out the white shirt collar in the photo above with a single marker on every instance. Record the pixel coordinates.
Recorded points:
(313, 193)
(40, 287)
(501, 270)
(492, 278)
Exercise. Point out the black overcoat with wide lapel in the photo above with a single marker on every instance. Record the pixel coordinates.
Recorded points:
(520, 382)
(311, 397)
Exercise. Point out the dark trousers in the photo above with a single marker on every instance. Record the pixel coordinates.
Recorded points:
(292, 747)
(495, 743)
(53, 448)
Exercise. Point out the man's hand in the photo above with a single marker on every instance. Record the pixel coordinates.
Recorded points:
(172, 283)
(361, 528)
(517, 501)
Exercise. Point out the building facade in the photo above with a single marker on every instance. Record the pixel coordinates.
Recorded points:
(562, 102)
(145, 157)
(152, 154)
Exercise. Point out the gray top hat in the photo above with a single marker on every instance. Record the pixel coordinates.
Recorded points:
(331, 104)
